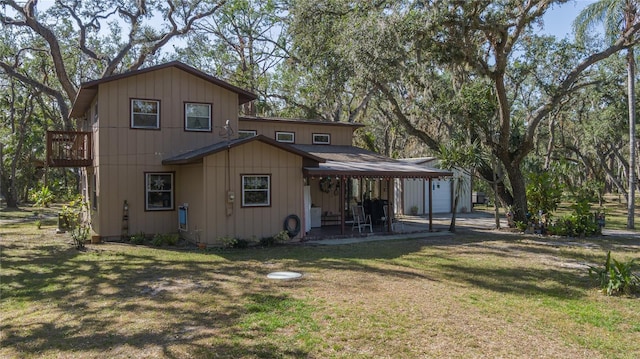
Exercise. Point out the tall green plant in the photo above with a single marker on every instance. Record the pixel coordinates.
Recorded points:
(42, 197)
(615, 277)
(543, 192)
(76, 214)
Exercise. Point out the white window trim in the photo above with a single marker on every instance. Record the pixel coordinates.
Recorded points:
(268, 190)
(318, 142)
(157, 126)
(147, 190)
(292, 134)
(186, 128)
(249, 133)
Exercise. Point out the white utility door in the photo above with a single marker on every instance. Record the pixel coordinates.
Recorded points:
(441, 190)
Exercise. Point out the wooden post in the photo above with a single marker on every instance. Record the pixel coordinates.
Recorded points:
(430, 205)
(389, 206)
(343, 186)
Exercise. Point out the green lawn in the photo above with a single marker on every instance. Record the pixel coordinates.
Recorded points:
(476, 294)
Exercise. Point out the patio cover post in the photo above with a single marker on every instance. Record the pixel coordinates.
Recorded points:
(430, 205)
(343, 188)
(390, 210)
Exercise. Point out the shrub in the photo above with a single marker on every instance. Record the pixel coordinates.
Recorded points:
(171, 239)
(43, 197)
(615, 277)
(281, 237)
(228, 242)
(522, 226)
(543, 192)
(267, 241)
(158, 240)
(137, 238)
(166, 239)
(579, 223)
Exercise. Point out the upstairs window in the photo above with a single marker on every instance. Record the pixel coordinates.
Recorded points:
(246, 133)
(321, 139)
(145, 114)
(286, 137)
(197, 116)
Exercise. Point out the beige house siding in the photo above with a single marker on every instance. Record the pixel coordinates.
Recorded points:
(122, 155)
(340, 134)
(189, 187)
(172, 87)
(233, 220)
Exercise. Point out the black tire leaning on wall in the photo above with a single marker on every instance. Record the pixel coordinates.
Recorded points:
(292, 232)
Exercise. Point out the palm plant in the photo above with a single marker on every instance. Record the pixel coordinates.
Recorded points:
(617, 16)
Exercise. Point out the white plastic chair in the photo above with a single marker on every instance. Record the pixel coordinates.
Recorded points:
(361, 220)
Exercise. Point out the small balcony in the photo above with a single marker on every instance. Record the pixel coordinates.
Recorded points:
(69, 149)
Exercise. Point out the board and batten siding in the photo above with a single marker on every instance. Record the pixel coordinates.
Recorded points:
(340, 135)
(233, 220)
(124, 154)
(189, 189)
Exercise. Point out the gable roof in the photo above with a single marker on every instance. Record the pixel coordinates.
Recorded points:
(88, 90)
(197, 155)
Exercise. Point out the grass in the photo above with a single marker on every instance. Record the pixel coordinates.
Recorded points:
(477, 294)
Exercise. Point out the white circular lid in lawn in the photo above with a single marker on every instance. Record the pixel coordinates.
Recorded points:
(284, 275)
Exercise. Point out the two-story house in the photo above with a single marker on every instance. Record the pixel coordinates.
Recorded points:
(163, 149)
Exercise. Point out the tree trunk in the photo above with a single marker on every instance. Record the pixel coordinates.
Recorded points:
(519, 191)
(632, 138)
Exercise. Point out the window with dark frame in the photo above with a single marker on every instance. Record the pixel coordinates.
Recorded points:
(321, 139)
(286, 137)
(145, 114)
(159, 191)
(197, 116)
(256, 190)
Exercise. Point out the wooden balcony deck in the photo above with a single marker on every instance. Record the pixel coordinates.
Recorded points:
(69, 149)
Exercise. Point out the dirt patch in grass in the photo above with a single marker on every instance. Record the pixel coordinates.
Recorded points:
(479, 294)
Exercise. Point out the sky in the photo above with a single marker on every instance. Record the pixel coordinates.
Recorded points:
(559, 19)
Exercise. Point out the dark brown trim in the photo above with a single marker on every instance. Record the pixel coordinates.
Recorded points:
(300, 120)
(173, 191)
(270, 175)
(243, 95)
(197, 155)
(131, 99)
(184, 116)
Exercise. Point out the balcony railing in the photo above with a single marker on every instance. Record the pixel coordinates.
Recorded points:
(68, 149)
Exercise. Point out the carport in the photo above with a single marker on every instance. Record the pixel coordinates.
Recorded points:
(347, 165)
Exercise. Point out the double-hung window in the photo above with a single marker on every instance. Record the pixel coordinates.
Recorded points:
(158, 191)
(256, 190)
(145, 114)
(197, 116)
